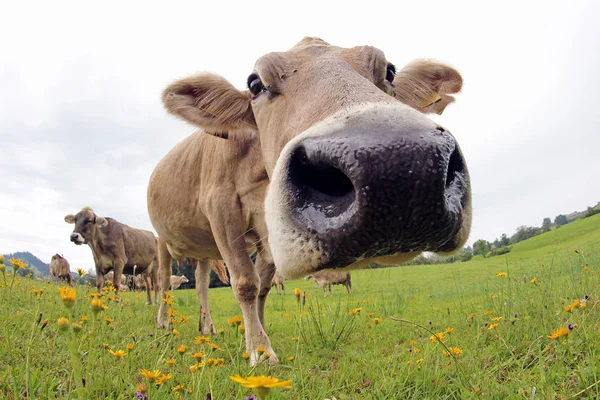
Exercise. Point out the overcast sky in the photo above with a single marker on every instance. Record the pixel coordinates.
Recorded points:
(81, 121)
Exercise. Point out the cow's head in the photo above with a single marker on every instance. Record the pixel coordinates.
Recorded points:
(86, 225)
(358, 173)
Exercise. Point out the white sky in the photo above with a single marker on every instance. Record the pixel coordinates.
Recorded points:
(81, 121)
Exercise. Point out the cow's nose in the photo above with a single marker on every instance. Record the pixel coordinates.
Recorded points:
(74, 237)
(377, 193)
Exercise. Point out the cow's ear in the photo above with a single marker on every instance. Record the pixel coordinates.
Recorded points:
(70, 219)
(101, 222)
(426, 85)
(210, 102)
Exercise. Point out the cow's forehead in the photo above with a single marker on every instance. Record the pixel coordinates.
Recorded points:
(83, 213)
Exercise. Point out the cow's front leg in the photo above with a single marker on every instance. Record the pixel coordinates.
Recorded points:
(99, 279)
(117, 272)
(147, 278)
(164, 279)
(266, 271)
(202, 274)
(228, 232)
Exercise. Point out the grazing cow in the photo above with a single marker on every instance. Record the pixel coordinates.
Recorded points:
(328, 149)
(110, 275)
(60, 268)
(278, 282)
(123, 288)
(176, 281)
(115, 246)
(327, 278)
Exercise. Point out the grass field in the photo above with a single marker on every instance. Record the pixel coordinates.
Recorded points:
(497, 314)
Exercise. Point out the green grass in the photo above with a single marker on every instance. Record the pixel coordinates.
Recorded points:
(338, 355)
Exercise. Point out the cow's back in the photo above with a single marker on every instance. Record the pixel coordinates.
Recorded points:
(140, 246)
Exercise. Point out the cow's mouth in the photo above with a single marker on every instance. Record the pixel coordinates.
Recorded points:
(77, 239)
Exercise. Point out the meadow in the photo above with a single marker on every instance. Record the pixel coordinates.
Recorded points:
(522, 325)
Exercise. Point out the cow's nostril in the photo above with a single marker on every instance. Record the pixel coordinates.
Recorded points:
(456, 168)
(318, 176)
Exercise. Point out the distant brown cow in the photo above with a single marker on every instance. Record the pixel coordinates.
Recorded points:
(327, 278)
(110, 275)
(278, 282)
(60, 268)
(329, 149)
(115, 246)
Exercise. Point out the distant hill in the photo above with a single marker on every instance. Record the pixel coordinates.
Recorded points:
(37, 266)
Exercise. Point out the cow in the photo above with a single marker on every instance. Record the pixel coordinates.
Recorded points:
(279, 283)
(60, 269)
(115, 247)
(176, 281)
(326, 278)
(110, 275)
(326, 161)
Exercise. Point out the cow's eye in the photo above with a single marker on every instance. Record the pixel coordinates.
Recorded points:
(88, 221)
(390, 73)
(255, 85)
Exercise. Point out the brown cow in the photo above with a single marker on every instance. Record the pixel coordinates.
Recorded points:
(355, 172)
(279, 283)
(177, 281)
(60, 268)
(110, 275)
(115, 246)
(326, 278)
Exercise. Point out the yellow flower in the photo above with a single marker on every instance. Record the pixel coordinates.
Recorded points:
(163, 378)
(98, 305)
(170, 361)
(168, 295)
(492, 312)
(107, 320)
(295, 338)
(1, 259)
(130, 346)
(118, 353)
(534, 280)
(449, 330)
(195, 367)
(221, 331)
(77, 326)
(501, 273)
(80, 272)
(416, 351)
(261, 349)
(355, 311)
(453, 350)
(178, 388)
(245, 356)
(150, 375)
(201, 339)
(17, 264)
(377, 320)
(197, 355)
(241, 328)
(297, 293)
(63, 324)
(492, 326)
(262, 384)
(84, 318)
(370, 315)
(181, 349)
(412, 343)
(585, 267)
(235, 320)
(497, 319)
(105, 345)
(438, 337)
(408, 362)
(290, 358)
(167, 301)
(215, 347)
(559, 333)
(68, 296)
(575, 251)
(419, 361)
(215, 361)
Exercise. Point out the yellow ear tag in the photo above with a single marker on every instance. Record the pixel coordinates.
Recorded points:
(434, 98)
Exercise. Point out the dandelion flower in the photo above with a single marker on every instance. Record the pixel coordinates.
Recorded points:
(453, 350)
(501, 274)
(63, 324)
(107, 320)
(215, 347)
(181, 349)
(497, 319)
(297, 293)
(151, 376)
(370, 315)
(68, 296)
(235, 321)
(77, 326)
(130, 346)
(295, 338)
(419, 361)
(245, 356)
(17, 264)
(80, 272)
(377, 320)
(241, 329)
(118, 353)
(221, 331)
(175, 332)
(355, 311)
(416, 351)
(412, 342)
(98, 305)
(163, 378)
(84, 318)
(492, 326)
(560, 332)
(290, 358)
(262, 384)
(201, 339)
(197, 355)
(438, 337)
(575, 251)
(178, 388)
(534, 281)
(170, 361)
(449, 330)
(261, 349)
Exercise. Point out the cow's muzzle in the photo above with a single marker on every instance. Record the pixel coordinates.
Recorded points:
(77, 238)
(367, 194)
